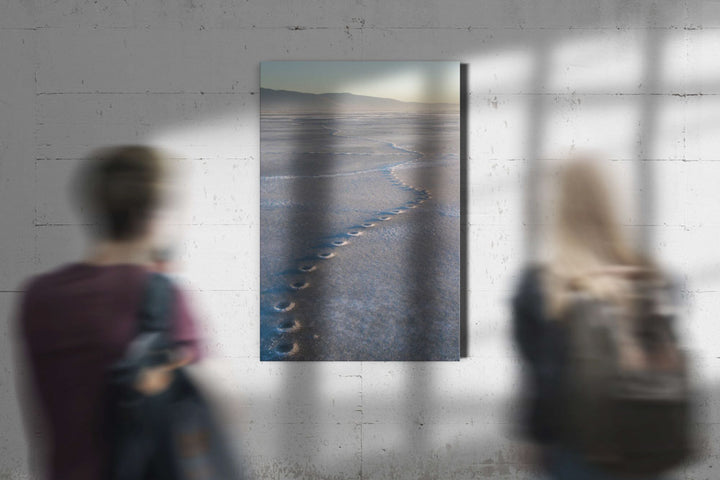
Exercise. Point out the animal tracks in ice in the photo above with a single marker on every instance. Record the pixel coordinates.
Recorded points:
(299, 285)
(284, 306)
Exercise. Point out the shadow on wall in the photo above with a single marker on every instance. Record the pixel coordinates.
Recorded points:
(420, 440)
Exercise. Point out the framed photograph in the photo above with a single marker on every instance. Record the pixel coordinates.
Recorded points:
(360, 211)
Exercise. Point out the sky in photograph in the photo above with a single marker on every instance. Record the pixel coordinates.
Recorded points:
(426, 82)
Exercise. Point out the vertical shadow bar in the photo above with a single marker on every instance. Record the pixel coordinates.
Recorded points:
(648, 127)
(463, 209)
(315, 197)
(536, 130)
(306, 216)
(422, 249)
(434, 282)
(432, 274)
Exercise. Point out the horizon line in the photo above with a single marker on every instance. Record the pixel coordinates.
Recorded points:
(357, 95)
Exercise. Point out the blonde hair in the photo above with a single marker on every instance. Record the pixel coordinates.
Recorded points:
(591, 253)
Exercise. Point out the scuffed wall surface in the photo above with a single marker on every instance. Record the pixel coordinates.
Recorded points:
(632, 79)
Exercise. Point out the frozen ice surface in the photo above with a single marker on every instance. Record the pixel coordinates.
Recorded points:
(392, 290)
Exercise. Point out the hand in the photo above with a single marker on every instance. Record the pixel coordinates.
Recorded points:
(155, 380)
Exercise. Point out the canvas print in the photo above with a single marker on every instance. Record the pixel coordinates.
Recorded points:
(360, 211)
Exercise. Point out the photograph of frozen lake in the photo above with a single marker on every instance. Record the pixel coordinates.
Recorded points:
(360, 211)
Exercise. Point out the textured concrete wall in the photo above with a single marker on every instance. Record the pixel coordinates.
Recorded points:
(633, 79)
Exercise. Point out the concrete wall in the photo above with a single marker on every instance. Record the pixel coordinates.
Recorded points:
(633, 79)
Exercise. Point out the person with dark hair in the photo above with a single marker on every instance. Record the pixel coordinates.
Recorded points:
(76, 321)
(123, 188)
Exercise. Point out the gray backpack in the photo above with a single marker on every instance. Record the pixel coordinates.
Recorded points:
(627, 401)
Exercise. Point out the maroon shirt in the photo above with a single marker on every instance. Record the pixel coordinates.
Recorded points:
(75, 322)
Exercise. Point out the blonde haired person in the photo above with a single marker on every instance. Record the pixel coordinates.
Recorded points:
(588, 253)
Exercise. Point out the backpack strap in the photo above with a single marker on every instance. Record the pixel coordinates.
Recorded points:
(156, 307)
(152, 345)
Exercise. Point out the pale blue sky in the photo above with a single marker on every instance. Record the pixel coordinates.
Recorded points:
(430, 82)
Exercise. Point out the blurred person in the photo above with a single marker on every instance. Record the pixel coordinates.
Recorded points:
(594, 276)
(74, 322)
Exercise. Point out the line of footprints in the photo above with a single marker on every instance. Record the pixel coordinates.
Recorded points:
(289, 323)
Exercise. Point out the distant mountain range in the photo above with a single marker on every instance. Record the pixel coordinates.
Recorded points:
(287, 101)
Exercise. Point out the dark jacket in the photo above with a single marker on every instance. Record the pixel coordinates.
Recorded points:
(542, 344)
